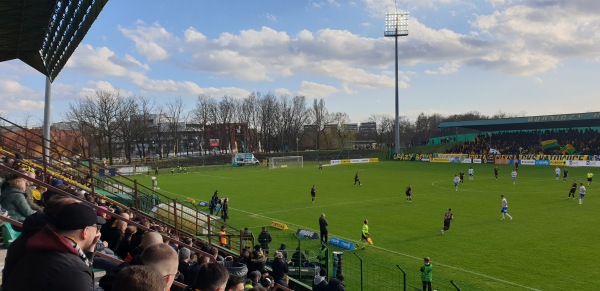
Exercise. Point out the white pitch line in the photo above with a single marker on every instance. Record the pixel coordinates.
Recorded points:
(398, 253)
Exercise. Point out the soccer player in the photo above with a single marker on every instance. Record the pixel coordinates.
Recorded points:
(565, 174)
(590, 176)
(448, 217)
(517, 165)
(513, 175)
(456, 181)
(357, 180)
(471, 173)
(504, 210)
(496, 172)
(313, 193)
(557, 172)
(408, 194)
(320, 166)
(364, 235)
(581, 193)
(462, 176)
(572, 190)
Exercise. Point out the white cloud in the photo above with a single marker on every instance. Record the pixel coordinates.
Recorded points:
(271, 17)
(315, 90)
(101, 61)
(16, 97)
(447, 68)
(151, 41)
(283, 92)
(93, 86)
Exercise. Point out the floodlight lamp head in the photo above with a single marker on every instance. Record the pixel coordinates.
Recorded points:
(396, 24)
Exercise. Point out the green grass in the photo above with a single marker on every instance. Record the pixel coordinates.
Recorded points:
(550, 245)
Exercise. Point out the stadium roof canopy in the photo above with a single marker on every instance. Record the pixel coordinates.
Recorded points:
(590, 119)
(44, 33)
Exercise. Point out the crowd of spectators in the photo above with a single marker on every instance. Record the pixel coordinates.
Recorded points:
(61, 238)
(585, 141)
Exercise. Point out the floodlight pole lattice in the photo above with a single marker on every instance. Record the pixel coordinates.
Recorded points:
(396, 24)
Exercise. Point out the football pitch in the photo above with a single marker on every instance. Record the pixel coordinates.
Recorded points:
(551, 244)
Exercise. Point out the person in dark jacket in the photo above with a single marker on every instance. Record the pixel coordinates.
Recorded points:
(323, 228)
(31, 226)
(60, 259)
(225, 210)
(279, 266)
(264, 238)
(336, 284)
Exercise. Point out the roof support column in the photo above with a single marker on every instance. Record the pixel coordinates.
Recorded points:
(47, 119)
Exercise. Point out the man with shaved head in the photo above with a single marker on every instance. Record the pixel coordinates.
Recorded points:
(163, 259)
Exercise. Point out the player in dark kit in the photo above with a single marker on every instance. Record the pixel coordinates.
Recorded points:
(313, 193)
(462, 177)
(496, 172)
(565, 174)
(408, 194)
(572, 190)
(447, 219)
(517, 165)
(357, 180)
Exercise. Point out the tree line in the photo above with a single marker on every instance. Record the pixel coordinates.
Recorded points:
(135, 126)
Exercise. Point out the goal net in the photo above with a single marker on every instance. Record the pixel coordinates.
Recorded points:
(286, 162)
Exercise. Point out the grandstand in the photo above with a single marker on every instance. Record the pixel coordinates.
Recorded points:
(175, 219)
(573, 133)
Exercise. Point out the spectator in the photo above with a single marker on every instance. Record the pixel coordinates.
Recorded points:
(266, 283)
(139, 278)
(223, 237)
(245, 257)
(115, 233)
(14, 200)
(247, 240)
(235, 283)
(163, 259)
(336, 284)
(123, 247)
(258, 260)
(320, 281)
(254, 277)
(60, 259)
(264, 238)
(186, 266)
(299, 258)
(31, 226)
(149, 239)
(211, 277)
(279, 266)
(283, 251)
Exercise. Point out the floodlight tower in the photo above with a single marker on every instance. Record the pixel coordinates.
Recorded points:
(396, 24)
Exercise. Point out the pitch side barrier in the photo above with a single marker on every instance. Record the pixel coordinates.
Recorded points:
(353, 161)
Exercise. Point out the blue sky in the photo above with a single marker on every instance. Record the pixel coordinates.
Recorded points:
(528, 57)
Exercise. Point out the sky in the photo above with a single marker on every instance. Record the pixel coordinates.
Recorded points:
(527, 57)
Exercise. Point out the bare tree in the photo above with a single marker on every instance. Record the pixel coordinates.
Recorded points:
(319, 114)
(173, 111)
(102, 116)
(269, 112)
(205, 105)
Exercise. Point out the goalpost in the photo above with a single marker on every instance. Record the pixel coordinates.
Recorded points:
(286, 162)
